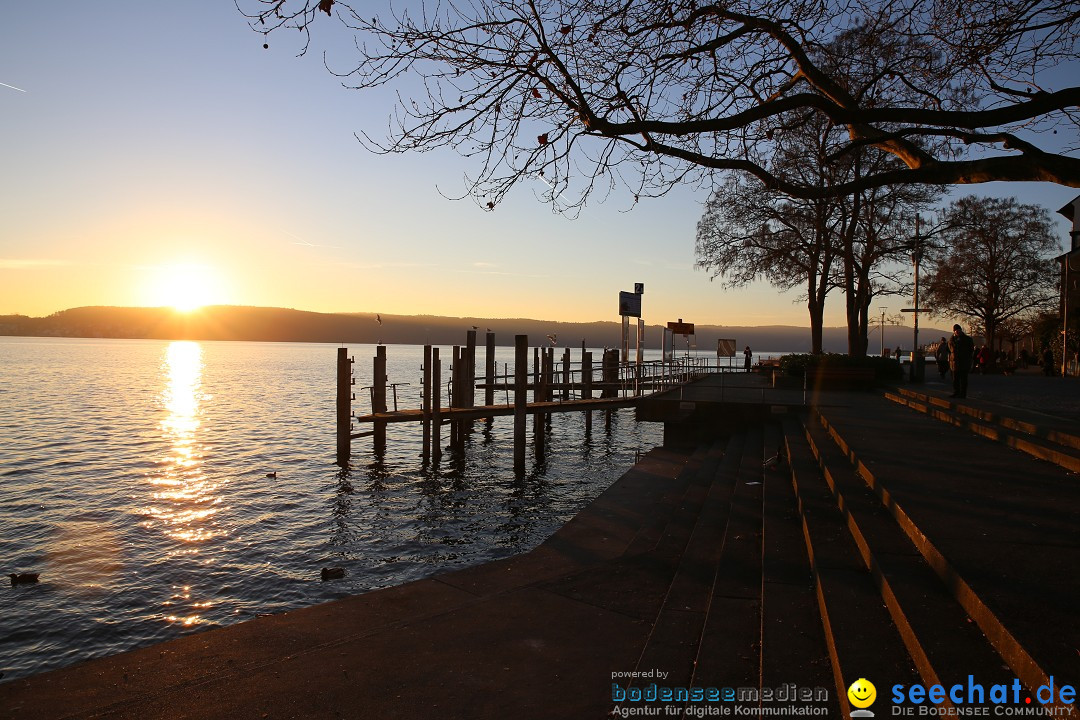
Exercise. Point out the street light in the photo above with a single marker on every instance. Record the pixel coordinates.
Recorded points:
(882, 353)
(916, 257)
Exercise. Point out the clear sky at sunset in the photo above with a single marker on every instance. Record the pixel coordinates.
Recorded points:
(152, 150)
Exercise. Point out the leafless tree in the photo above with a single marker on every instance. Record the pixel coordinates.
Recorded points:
(786, 243)
(995, 263)
(751, 232)
(651, 94)
(850, 243)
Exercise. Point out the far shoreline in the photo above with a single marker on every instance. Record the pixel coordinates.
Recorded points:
(256, 324)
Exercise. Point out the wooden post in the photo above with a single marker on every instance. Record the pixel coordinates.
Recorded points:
(549, 384)
(469, 396)
(426, 403)
(468, 383)
(436, 406)
(586, 376)
(521, 370)
(378, 399)
(455, 377)
(586, 387)
(378, 381)
(455, 395)
(489, 368)
(344, 407)
(540, 394)
(539, 355)
(639, 356)
(611, 381)
(606, 374)
(566, 374)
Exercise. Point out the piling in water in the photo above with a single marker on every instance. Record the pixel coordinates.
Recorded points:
(344, 407)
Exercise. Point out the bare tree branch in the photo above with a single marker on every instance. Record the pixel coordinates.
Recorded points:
(648, 94)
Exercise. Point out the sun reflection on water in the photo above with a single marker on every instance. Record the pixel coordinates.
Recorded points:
(185, 500)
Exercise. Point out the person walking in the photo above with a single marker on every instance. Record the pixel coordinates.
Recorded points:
(747, 358)
(982, 359)
(961, 352)
(1048, 362)
(941, 355)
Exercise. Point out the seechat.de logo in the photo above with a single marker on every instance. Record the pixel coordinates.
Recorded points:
(862, 694)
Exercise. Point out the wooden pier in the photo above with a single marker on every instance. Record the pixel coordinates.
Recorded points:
(551, 387)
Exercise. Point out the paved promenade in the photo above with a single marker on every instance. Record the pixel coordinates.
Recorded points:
(1028, 390)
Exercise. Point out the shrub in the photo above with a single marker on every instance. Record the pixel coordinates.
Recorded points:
(886, 370)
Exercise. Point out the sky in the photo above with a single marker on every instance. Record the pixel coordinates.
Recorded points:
(155, 154)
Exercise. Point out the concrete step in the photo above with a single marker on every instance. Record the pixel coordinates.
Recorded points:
(994, 527)
(673, 644)
(793, 648)
(943, 641)
(673, 501)
(729, 652)
(861, 638)
(1041, 440)
(637, 580)
(1034, 424)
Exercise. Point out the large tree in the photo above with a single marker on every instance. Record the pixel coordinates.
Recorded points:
(877, 256)
(651, 93)
(995, 263)
(847, 242)
(749, 232)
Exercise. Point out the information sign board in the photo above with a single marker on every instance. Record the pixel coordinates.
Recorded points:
(629, 304)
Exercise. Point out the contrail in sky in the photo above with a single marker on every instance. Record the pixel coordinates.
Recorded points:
(305, 243)
(12, 87)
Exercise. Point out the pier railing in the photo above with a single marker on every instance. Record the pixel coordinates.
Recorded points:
(568, 382)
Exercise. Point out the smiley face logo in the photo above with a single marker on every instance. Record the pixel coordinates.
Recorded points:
(862, 693)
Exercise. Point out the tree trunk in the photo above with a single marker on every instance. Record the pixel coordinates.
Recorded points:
(851, 307)
(816, 290)
(852, 324)
(864, 325)
(853, 284)
(817, 320)
(991, 336)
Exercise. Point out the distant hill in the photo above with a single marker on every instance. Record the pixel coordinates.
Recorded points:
(227, 322)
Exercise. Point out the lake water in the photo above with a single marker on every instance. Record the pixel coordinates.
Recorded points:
(133, 477)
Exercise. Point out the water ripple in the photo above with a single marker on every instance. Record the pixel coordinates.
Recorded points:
(134, 481)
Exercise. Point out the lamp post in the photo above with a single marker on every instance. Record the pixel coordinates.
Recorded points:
(916, 257)
(882, 327)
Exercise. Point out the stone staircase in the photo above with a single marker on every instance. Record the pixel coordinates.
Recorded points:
(739, 608)
(834, 546)
(1049, 439)
(920, 597)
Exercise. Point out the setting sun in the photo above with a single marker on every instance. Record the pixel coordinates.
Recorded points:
(183, 286)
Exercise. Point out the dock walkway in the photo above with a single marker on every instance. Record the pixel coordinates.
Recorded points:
(861, 539)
